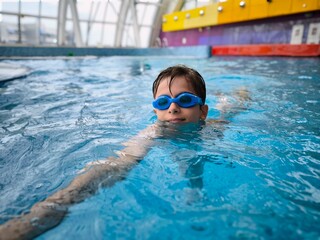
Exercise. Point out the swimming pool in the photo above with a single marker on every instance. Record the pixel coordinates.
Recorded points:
(258, 178)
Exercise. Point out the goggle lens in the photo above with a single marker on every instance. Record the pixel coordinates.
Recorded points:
(185, 100)
(163, 102)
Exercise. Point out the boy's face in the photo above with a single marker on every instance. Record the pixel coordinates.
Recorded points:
(175, 113)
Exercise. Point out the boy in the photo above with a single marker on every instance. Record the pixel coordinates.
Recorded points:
(180, 95)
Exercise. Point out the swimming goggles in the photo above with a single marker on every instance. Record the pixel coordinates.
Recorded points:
(184, 100)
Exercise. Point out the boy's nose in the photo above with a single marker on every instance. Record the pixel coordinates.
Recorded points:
(174, 108)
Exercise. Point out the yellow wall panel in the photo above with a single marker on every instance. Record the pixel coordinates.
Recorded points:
(196, 19)
(173, 22)
(224, 10)
(240, 10)
(304, 5)
(279, 7)
(229, 11)
(258, 9)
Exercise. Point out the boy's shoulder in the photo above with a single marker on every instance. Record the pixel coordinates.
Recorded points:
(217, 121)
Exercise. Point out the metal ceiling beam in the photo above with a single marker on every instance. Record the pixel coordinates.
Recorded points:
(103, 25)
(61, 28)
(92, 17)
(127, 5)
(121, 22)
(157, 22)
(62, 16)
(76, 23)
(179, 5)
(136, 30)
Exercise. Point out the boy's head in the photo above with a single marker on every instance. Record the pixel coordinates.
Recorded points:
(180, 94)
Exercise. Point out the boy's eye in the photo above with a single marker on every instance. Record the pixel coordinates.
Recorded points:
(185, 99)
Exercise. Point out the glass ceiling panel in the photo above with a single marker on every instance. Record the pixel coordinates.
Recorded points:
(113, 11)
(49, 8)
(9, 6)
(30, 7)
(189, 4)
(98, 21)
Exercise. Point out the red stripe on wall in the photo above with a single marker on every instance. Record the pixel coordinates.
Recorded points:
(300, 50)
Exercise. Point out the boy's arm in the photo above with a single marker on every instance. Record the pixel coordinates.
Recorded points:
(50, 212)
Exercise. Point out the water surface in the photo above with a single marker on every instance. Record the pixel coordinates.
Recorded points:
(257, 177)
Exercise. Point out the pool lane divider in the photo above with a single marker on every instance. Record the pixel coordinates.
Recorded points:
(31, 51)
(299, 50)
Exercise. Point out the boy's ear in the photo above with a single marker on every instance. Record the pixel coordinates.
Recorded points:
(155, 111)
(204, 111)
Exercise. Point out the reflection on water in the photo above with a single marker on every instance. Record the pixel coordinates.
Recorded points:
(254, 176)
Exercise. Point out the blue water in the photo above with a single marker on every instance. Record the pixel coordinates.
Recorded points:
(254, 178)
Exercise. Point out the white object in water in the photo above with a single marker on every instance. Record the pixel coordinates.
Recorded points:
(12, 71)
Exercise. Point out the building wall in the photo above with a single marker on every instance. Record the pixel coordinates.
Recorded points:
(261, 31)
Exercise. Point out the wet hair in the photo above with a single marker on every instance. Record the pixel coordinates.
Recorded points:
(191, 75)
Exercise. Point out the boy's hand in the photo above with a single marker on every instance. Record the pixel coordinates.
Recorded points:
(242, 94)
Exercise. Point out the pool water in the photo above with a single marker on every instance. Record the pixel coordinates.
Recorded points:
(254, 178)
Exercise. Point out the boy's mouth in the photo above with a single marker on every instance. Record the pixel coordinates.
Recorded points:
(176, 120)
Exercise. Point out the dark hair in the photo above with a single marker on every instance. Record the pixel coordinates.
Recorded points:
(191, 75)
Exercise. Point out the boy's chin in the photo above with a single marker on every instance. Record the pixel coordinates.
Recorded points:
(183, 131)
(181, 125)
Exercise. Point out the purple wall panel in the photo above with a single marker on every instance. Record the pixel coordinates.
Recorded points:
(265, 31)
